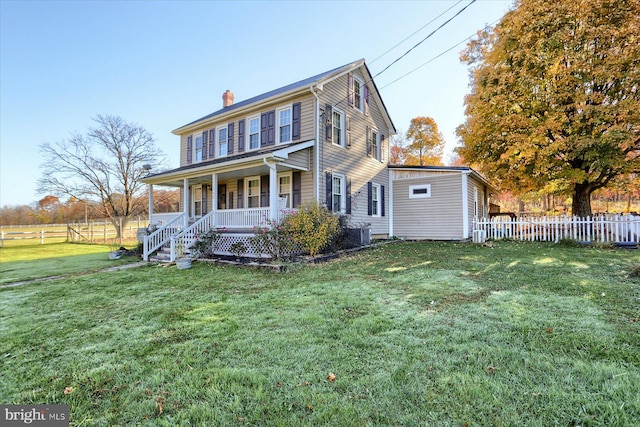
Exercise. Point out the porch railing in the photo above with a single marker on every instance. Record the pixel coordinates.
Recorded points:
(155, 240)
(241, 218)
(161, 219)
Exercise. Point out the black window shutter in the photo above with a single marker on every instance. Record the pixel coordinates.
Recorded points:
(328, 190)
(271, 127)
(240, 191)
(241, 135)
(296, 186)
(264, 117)
(369, 198)
(366, 100)
(348, 196)
(230, 138)
(368, 139)
(264, 191)
(382, 148)
(348, 142)
(212, 143)
(350, 90)
(189, 148)
(382, 199)
(204, 144)
(328, 111)
(295, 121)
(204, 197)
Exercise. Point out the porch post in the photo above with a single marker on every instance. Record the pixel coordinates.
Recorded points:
(273, 193)
(214, 197)
(185, 200)
(150, 204)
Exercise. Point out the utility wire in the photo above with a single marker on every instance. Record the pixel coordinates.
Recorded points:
(435, 57)
(415, 32)
(424, 39)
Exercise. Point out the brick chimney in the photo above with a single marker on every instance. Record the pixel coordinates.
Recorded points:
(227, 98)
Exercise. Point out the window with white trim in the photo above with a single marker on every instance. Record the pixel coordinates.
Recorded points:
(358, 92)
(338, 199)
(284, 125)
(375, 200)
(197, 200)
(337, 126)
(198, 139)
(253, 191)
(254, 133)
(284, 189)
(375, 145)
(222, 141)
(422, 191)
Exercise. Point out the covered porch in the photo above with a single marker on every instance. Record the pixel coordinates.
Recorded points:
(234, 195)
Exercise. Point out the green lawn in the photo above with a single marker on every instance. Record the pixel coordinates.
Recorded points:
(26, 262)
(417, 334)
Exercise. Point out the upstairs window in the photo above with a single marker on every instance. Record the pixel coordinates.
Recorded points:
(375, 145)
(198, 138)
(358, 94)
(222, 141)
(284, 125)
(337, 127)
(254, 133)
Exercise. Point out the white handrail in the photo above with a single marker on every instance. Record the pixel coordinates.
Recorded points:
(155, 240)
(187, 237)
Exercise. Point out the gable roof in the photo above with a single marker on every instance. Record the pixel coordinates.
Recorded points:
(317, 80)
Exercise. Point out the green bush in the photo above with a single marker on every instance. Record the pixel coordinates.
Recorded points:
(312, 227)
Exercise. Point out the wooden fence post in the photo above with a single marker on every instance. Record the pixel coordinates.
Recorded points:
(2, 237)
(42, 237)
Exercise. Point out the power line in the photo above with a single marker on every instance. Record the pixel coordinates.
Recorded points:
(426, 38)
(434, 58)
(415, 32)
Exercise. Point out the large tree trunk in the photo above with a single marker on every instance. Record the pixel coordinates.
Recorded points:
(581, 205)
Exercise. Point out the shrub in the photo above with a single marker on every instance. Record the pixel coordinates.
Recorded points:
(312, 227)
(274, 239)
(205, 243)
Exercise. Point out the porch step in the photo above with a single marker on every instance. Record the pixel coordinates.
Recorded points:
(163, 255)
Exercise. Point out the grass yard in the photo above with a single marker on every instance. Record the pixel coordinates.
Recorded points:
(27, 262)
(404, 334)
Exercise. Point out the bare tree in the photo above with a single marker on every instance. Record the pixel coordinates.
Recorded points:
(103, 166)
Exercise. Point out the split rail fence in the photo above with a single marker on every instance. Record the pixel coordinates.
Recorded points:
(97, 231)
(599, 228)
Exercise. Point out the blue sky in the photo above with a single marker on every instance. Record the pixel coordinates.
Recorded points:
(163, 64)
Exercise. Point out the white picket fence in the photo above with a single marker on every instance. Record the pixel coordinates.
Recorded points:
(601, 228)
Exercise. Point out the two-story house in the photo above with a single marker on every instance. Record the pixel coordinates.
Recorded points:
(324, 139)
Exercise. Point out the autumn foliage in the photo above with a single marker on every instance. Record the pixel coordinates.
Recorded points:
(555, 101)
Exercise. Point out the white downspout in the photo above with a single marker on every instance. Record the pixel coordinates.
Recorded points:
(465, 205)
(390, 203)
(316, 151)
